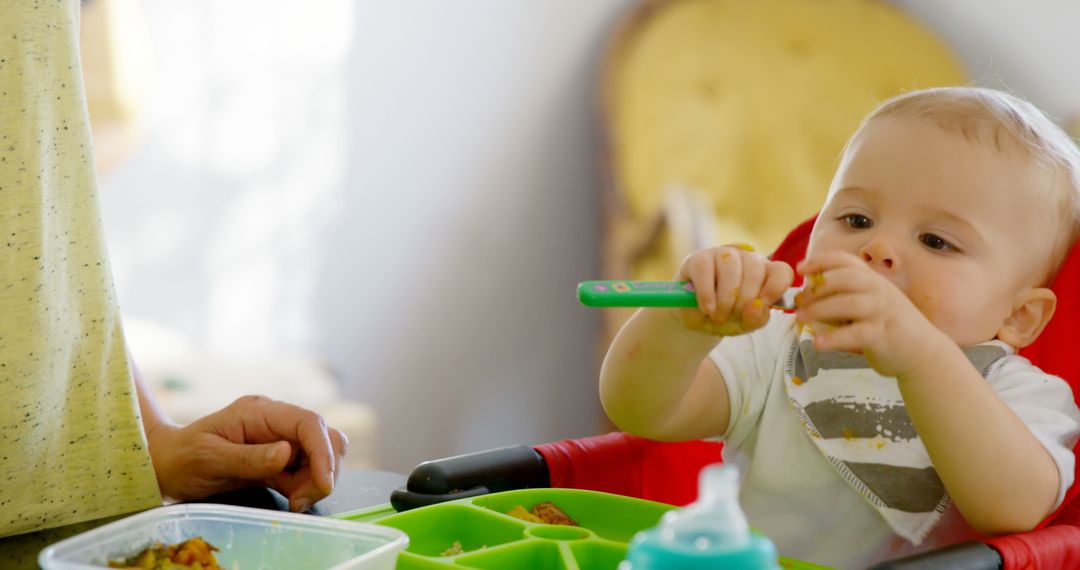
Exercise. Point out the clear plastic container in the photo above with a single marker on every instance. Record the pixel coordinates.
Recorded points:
(249, 539)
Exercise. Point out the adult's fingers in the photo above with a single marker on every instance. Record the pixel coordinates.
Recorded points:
(340, 444)
(300, 486)
(270, 419)
(248, 461)
(315, 439)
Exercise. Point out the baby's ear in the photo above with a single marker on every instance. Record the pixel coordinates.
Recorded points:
(1030, 315)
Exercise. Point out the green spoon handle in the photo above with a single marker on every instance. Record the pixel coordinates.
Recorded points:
(637, 294)
(650, 294)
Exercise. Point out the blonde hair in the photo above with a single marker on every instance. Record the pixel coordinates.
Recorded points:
(1004, 120)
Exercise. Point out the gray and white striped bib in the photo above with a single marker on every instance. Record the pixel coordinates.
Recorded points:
(857, 419)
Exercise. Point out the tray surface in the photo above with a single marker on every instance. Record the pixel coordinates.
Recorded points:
(490, 538)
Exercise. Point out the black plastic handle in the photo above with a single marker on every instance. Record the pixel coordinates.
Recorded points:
(403, 499)
(491, 471)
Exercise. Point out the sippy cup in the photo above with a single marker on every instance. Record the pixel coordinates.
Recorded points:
(710, 533)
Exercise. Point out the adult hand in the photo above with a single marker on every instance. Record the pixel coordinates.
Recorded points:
(253, 441)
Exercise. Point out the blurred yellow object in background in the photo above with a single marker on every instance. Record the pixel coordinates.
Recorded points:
(117, 65)
(725, 119)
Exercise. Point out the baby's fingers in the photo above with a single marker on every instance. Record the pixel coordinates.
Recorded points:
(700, 270)
(752, 282)
(729, 274)
(853, 337)
(837, 309)
(842, 281)
(754, 315)
(779, 277)
(695, 320)
(822, 262)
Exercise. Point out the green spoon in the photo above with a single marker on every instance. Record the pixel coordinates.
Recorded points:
(650, 294)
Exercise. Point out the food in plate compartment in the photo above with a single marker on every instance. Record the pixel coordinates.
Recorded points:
(454, 549)
(545, 512)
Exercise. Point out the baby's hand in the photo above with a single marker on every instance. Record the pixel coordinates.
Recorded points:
(734, 286)
(853, 308)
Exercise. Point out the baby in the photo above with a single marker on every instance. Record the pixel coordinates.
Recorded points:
(890, 414)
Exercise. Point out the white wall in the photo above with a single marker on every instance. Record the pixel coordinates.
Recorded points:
(407, 190)
(1030, 47)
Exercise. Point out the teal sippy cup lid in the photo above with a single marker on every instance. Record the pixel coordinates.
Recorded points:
(712, 532)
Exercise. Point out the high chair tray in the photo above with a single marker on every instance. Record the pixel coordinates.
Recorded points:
(490, 538)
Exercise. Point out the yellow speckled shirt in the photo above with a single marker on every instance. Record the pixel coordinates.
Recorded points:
(71, 442)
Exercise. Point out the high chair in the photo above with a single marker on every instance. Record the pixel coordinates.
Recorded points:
(667, 472)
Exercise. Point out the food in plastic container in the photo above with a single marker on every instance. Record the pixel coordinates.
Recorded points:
(248, 539)
(192, 554)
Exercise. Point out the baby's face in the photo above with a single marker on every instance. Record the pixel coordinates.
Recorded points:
(947, 220)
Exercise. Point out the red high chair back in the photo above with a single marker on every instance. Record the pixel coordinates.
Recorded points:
(667, 472)
(1056, 542)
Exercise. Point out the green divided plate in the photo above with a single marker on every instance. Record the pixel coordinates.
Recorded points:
(492, 539)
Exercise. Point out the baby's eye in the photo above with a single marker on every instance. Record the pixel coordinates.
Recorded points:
(936, 242)
(858, 221)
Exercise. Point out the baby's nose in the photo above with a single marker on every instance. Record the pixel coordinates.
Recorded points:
(877, 252)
